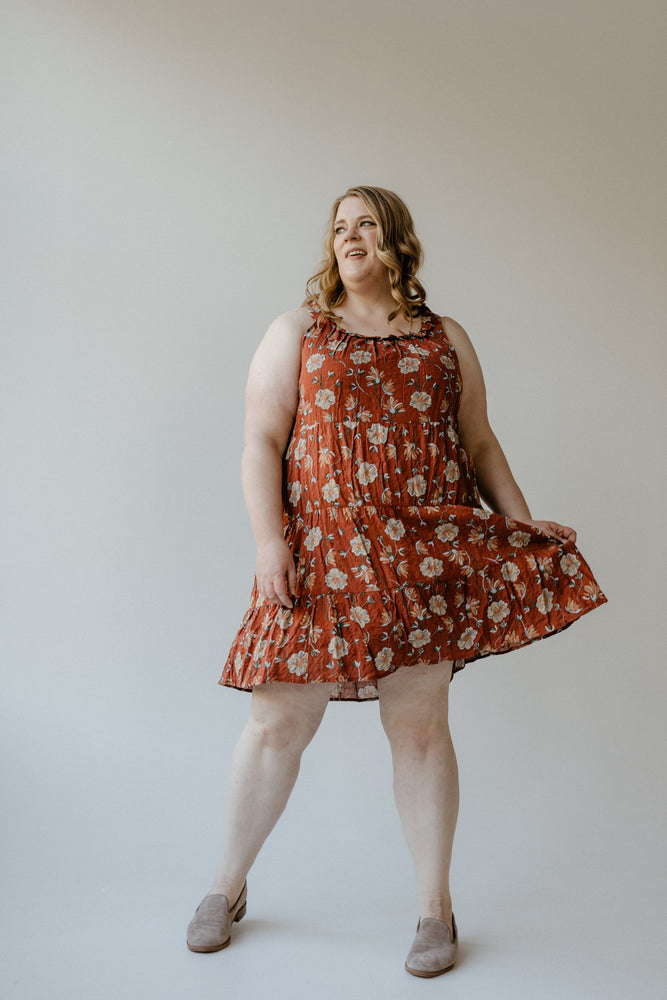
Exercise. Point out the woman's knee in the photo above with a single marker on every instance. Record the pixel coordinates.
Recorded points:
(418, 731)
(414, 707)
(285, 721)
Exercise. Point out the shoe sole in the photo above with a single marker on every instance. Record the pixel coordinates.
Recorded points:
(218, 947)
(428, 975)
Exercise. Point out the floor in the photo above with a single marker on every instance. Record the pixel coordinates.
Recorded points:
(112, 842)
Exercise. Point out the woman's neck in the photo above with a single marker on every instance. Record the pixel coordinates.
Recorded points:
(368, 314)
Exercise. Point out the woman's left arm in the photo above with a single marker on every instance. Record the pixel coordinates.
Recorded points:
(497, 485)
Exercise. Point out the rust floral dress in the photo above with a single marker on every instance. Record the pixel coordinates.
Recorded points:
(398, 562)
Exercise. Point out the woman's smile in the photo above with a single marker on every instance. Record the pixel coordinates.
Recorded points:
(355, 233)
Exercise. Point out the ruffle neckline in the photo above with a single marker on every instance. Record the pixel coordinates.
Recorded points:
(331, 326)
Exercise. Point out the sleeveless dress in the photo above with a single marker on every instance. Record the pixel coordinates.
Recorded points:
(398, 562)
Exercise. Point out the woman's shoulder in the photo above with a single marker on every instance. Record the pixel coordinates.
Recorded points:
(456, 335)
(291, 325)
(302, 314)
(278, 354)
(449, 324)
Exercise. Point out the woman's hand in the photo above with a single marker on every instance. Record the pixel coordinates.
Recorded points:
(275, 572)
(561, 532)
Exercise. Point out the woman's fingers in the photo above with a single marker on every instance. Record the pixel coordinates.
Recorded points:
(276, 573)
(275, 590)
(562, 532)
(282, 593)
(291, 577)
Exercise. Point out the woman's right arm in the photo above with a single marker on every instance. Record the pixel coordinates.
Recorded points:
(272, 395)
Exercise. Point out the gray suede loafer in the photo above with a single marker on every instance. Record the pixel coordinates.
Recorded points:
(434, 949)
(209, 929)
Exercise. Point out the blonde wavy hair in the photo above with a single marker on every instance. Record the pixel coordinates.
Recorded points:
(397, 247)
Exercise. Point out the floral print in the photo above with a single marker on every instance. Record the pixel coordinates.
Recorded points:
(398, 562)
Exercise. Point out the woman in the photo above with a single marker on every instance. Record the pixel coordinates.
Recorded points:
(379, 572)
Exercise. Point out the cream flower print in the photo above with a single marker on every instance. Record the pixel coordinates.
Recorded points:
(374, 376)
(295, 491)
(314, 362)
(467, 639)
(431, 566)
(360, 357)
(260, 650)
(476, 535)
(360, 616)
(375, 458)
(498, 610)
(452, 471)
(364, 573)
(438, 604)
(338, 647)
(313, 539)
(510, 571)
(384, 658)
(545, 601)
(360, 545)
(298, 663)
(472, 605)
(419, 637)
(569, 564)
(330, 491)
(420, 401)
(395, 528)
(447, 532)
(377, 433)
(325, 398)
(416, 486)
(336, 579)
(366, 473)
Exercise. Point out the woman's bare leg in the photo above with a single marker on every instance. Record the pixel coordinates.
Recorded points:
(283, 719)
(413, 709)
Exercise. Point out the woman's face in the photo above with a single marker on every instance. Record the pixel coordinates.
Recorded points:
(355, 241)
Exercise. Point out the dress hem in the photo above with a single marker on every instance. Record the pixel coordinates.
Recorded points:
(351, 687)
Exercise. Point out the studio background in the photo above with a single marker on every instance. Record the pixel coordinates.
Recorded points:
(169, 168)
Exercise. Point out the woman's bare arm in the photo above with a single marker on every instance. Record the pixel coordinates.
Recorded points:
(497, 485)
(271, 401)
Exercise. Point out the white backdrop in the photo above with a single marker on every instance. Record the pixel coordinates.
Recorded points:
(169, 168)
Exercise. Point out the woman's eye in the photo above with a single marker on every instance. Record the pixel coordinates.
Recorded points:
(368, 222)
